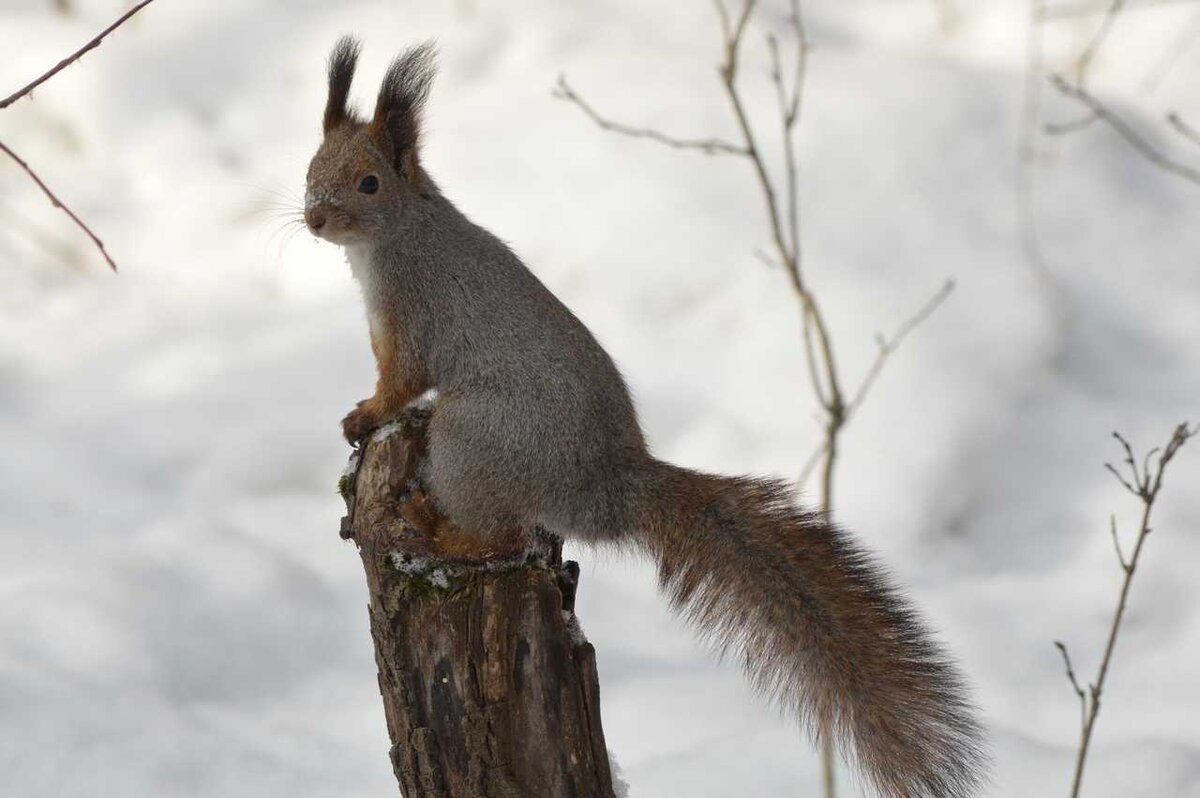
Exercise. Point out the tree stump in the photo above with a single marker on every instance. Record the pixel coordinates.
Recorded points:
(489, 687)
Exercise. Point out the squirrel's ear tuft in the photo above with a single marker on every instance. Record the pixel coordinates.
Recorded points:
(396, 126)
(342, 62)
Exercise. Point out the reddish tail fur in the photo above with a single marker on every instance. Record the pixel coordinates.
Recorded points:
(817, 626)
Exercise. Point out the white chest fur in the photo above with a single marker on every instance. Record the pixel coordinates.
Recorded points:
(359, 258)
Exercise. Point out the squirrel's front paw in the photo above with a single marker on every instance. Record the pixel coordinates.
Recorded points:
(360, 422)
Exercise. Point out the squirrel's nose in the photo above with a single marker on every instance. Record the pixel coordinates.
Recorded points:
(315, 217)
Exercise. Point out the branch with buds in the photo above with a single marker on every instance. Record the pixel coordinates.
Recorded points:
(1143, 478)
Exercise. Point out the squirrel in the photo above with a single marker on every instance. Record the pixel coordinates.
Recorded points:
(529, 423)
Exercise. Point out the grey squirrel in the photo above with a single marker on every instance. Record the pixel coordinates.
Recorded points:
(530, 423)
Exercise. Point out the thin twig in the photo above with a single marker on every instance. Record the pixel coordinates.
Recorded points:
(1112, 528)
(1131, 136)
(710, 146)
(1148, 482)
(1183, 128)
(57, 203)
(1062, 648)
(1087, 9)
(729, 69)
(1083, 65)
(810, 355)
(1083, 705)
(1071, 126)
(831, 394)
(789, 114)
(887, 346)
(73, 57)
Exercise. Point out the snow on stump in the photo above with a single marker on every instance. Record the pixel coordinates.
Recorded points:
(489, 687)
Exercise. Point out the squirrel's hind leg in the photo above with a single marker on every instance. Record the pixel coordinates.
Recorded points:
(478, 477)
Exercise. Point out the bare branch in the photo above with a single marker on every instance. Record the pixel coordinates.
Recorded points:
(723, 17)
(1121, 479)
(834, 404)
(1062, 648)
(789, 114)
(1135, 139)
(1112, 519)
(1089, 9)
(1183, 128)
(802, 47)
(783, 219)
(1149, 483)
(1073, 126)
(73, 57)
(57, 203)
(729, 68)
(1083, 701)
(810, 354)
(889, 345)
(1146, 469)
(27, 90)
(1084, 63)
(710, 146)
(1179, 437)
(1082, 71)
(740, 27)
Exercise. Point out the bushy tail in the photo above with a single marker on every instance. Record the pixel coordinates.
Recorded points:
(817, 625)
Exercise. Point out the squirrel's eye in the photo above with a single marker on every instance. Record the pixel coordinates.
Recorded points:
(369, 184)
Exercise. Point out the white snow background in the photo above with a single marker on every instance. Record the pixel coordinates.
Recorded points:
(178, 616)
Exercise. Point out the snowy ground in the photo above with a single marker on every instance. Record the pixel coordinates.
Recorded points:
(177, 614)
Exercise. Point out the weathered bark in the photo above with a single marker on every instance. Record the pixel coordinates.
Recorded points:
(489, 688)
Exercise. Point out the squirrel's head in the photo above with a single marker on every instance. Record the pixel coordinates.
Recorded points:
(366, 171)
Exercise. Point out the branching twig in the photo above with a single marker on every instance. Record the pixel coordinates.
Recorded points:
(1122, 128)
(57, 203)
(1062, 648)
(789, 113)
(827, 387)
(1083, 65)
(711, 146)
(1145, 483)
(887, 346)
(783, 220)
(73, 57)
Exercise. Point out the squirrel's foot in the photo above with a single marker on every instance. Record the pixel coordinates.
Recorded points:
(369, 415)
(361, 422)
